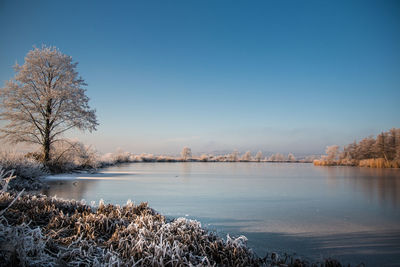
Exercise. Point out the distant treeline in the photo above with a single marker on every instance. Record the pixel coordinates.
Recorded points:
(380, 152)
(186, 156)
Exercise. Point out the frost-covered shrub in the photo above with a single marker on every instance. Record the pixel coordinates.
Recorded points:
(233, 157)
(119, 156)
(246, 156)
(291, 157)
(23, 246)
(259, 156)
(277, 157)
(23, 167)
(165, 159)
(147, 157)
(204, 158)
(70, 155)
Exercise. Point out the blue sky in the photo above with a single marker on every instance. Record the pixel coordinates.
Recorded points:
(282, 76)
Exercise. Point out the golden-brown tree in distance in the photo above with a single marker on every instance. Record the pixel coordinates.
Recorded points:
(45, 99)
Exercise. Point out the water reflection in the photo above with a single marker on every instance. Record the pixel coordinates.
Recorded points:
(68, 189)
(382, 185)
(186, 169)
(373, 248)
(75, 186)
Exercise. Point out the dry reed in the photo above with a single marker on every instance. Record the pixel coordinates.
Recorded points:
(371, 163)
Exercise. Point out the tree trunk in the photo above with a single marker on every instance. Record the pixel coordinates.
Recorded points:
(46, 150)
(46, 141)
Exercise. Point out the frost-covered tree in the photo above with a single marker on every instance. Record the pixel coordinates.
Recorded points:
(45, 99)
(234, 156)
(396, 133)
(380, 147)
(246, 156)
(259, 156)
(277, 157)
(186, 153)
(332, 152)
(291, 157)
(350, 151)
(391, 143)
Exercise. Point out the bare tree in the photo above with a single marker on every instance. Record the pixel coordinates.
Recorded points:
(45, 99)
(186, 153)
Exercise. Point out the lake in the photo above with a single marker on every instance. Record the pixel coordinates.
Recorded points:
(348, 213)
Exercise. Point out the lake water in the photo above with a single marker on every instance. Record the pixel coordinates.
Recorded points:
(348, 213)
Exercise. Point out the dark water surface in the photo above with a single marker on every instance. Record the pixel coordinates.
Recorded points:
(348, 213)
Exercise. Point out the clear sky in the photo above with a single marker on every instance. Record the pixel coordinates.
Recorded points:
(281, 76)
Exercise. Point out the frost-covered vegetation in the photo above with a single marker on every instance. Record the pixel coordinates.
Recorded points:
(69, 155)
(23, 166)
(380, 152)
(25, 169)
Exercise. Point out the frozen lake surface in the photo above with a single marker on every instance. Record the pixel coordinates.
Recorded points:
(348, 213)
